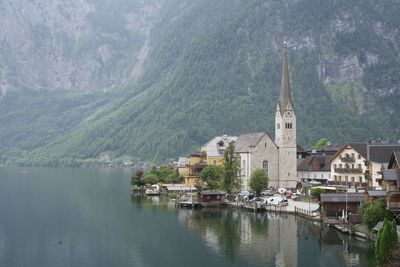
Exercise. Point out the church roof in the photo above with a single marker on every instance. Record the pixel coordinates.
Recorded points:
(245, 141)
(285, 95)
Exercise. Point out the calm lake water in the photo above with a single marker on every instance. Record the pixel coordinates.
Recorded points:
(88, 217)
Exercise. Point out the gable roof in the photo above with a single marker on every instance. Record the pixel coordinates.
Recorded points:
(391, 175)
(323, 162)
(341, 197)
(245, 141)
(395, 157)
(373, 152)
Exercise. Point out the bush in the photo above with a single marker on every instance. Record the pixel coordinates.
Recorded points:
(374, 213)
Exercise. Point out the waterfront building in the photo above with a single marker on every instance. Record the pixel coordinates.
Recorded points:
(278, 157)
(314, 168)
(391, 183)
(196, 163)
(361, 164)
(216, 147)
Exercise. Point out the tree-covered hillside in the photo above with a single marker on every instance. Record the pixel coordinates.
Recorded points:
(213, 67)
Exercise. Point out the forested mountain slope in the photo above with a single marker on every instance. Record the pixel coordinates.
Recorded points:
(213, 67)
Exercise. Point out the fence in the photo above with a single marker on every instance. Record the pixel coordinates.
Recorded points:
(303, 211)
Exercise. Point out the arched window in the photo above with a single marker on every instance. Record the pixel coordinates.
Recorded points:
(265, 167)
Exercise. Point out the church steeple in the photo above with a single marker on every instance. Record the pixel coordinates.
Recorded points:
(285, 95)
(285, 130)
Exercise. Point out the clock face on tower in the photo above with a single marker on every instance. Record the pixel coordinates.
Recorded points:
(288, 114)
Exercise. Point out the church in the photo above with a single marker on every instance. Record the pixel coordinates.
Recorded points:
(277, 157)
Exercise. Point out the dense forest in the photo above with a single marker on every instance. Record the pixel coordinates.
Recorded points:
(213, 68)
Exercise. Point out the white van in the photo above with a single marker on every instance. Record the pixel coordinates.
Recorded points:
(276, 201)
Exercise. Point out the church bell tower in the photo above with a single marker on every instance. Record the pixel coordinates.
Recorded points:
(285, 130)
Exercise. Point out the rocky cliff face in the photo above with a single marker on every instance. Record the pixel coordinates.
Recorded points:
(82, 44)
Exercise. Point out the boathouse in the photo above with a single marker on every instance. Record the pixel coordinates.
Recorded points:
(335, 204)
(211, 198)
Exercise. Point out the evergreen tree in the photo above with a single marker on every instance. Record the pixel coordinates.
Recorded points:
(393, 234)
(231, 179)
(378, 256)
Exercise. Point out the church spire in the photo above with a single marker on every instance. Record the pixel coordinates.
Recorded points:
(285, 95)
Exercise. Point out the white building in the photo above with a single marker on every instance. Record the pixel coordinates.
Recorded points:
(361, 163)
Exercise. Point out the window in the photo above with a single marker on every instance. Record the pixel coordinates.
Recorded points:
(340, 165)
(352, 179)
(352, 155)
(346, 178)
(334, 166)
(359, 156)
(265, 145)
(335, 177)
(215, 162)
(360, 179)
(265, 167)
(352, 166)
(288, 125)
(278, 126)
(359, 166)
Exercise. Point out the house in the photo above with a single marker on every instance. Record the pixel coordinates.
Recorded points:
(314, 168)
(216, 147)
(211, 198)
(335, 204)
(360, 164)
(277, 157)
(196, 163)
(391, 183)
(182, 166)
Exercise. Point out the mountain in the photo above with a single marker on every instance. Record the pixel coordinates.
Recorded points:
(209, 68)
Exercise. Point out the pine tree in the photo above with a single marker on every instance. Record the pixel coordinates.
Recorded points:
(378, 256)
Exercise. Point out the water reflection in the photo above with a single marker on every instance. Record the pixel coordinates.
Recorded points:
(268, 239)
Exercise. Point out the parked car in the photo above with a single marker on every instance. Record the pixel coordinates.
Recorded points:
(249, 197)
(267, 193)
(258, 200)
(243, 194)
(295, 196)
(282, 191)
(276, 201)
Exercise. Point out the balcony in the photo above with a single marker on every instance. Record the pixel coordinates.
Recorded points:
(348, 159)
(348, 170)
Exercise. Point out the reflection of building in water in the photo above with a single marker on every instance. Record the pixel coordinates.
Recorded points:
(270, 246)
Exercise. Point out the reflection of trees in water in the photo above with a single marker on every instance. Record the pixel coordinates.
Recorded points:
(229, 233)
(227, 227)
(259, 224)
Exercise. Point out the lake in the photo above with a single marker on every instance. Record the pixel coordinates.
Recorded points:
(88, 217)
